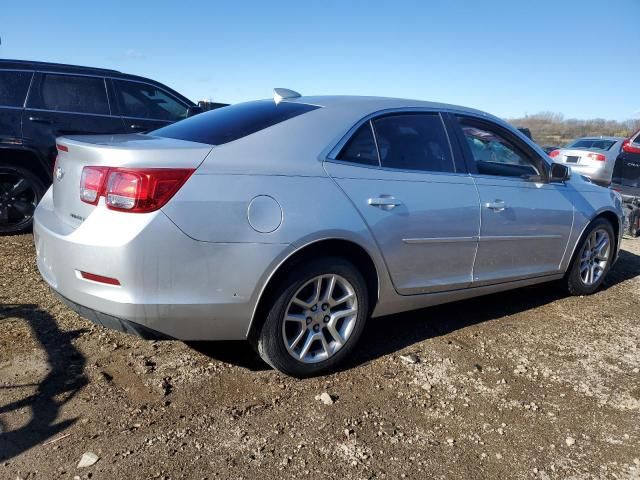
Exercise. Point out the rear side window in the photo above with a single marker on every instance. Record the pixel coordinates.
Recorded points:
(142, 100)
(413, 142)
(226, 124)
(13, 87)
(68, 93)
(361, 148)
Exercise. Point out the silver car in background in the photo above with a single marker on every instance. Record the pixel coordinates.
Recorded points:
(593, 157)
(289, 222)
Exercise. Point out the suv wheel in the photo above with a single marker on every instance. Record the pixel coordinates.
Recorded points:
(317, 315)
(592, 260)
(20, 192)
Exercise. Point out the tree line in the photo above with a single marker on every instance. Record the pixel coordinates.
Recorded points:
(550, 128)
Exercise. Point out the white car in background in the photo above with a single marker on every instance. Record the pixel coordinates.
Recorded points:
(593, 157)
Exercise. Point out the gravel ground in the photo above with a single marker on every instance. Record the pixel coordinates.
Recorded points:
(524, 384)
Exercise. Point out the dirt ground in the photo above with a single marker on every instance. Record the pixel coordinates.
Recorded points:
(524, 384)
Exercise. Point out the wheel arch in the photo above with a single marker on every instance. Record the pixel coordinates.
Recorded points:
(612, 218)
(338, 247)
(28, 159)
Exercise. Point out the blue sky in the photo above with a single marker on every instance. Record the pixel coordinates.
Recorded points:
(508, 57)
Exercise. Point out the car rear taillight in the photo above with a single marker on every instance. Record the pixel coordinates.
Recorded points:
(91, 183)
(554, 153)
(597, 156)
(629, 147)
(137, 190)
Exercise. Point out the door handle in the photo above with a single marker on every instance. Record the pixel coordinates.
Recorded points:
(40, 120)
(496, 206)
(386, 202)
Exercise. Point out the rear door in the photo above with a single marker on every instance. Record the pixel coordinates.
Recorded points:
(526, 221)
(61, 104)
(399, 172)
(146, 107)
(14, 85)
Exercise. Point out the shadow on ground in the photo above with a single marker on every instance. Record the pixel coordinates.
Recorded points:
(65, 378)
(386, 335)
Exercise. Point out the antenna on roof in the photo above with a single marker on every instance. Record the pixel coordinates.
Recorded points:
(280, 94)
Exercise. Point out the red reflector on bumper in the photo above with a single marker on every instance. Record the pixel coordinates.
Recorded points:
(99, 278)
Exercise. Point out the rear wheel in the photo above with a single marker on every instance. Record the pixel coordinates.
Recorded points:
(317, 315)
(592, 260)
(20, 192)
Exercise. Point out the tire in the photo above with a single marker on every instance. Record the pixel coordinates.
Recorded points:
(575, 281)
(20, 192)
(276, 342)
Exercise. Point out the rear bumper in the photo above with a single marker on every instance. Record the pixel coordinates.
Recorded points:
(114, 323)
(597, 174)
(170, 284)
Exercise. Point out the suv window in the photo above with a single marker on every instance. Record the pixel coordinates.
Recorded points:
(68, 93)
(142, 100)
(494, 153)
(13, 87)
(413, 141)
(361, 147)
(227, 124)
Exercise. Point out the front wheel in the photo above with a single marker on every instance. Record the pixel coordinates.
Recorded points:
(20, 192)
(317, 315)
(592, 260)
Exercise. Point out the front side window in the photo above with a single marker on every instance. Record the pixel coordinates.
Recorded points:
(413, 141)
(68, 93)
(494, 153)
(13, 87)
(142, 100)
(361, 148)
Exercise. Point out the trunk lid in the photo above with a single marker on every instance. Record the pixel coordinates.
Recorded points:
(579, 157)
(126, 151)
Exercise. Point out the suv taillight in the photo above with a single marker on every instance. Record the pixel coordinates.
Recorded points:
(629, 147)
(554, 153)
(137, 190)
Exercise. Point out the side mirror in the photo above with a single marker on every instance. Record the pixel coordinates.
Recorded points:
(559, 173)
(194, 110)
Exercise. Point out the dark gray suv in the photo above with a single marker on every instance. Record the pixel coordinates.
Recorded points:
(41, 101)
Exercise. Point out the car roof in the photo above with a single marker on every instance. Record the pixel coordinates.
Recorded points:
(604, 137)
(367, 105)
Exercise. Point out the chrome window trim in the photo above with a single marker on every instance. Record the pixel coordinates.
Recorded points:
(375, 141)
(28, 88)
(335, 151)
(105, 77)
(147, 119)
(73, 113)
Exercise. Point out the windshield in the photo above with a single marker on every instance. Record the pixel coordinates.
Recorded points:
(593, 144)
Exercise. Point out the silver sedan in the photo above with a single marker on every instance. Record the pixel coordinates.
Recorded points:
(290, 221)
(593, 157)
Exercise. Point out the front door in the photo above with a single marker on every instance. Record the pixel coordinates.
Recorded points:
(526, 221)
(423, 214)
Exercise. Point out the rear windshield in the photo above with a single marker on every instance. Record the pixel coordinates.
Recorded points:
(593, 144)
(227, 124)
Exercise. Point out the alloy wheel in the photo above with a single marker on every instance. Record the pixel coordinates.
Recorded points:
(594, 256)
(18, 200)
(320, 318)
